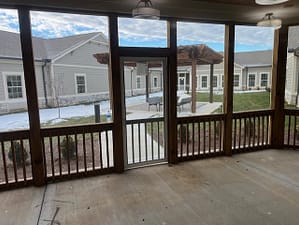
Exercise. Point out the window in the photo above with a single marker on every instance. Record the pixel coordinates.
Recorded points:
(138, 82)
(251, 80)
(14, 86)
(204, 81)
(264, 80)
(215, 81)
(236, 80)
(81, 85)
(155, 82)
(222, 81)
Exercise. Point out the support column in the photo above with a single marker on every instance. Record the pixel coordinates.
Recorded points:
(38, 167)
(171, 95)
(228, 87)
(278, 86)
(117, 93)
(193, 91)
(211, 82)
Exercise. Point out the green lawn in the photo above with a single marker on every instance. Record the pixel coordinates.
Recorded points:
(74, 121)
(242, 101)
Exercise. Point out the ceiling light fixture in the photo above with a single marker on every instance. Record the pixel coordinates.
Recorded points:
(270, 21)
(269, 2)
(144, 10)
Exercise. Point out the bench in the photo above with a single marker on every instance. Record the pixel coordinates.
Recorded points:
(157, 101)
(182, 100)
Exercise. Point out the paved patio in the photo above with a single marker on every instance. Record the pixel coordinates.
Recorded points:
(257, 188)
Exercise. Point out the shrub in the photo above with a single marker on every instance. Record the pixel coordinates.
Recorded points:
(67, 147)
(18, 154)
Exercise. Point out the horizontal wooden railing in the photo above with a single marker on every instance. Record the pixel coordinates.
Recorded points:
(200, 136)
(291, 129)
(145, 141)
(77, 150)
(251, 130)
(15, 159)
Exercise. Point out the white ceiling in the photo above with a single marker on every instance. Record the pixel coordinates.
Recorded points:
(239, 11)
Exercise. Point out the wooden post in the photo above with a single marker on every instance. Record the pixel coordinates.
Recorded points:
(171, 95)
(193, 95)
(38, 167)
(211, 82)
(278, 86)
(117, 93)
(228, 87)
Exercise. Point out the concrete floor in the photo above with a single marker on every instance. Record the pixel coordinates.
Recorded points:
(254, 188)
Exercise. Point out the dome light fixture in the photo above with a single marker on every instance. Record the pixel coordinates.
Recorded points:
(269, 2)
(144, 10)
(270, 21)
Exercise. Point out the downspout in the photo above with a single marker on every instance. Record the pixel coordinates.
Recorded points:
(45, 61)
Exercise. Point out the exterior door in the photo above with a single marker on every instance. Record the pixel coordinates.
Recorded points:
(144, 111)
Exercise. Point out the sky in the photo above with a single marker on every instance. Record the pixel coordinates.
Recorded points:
(138, 32)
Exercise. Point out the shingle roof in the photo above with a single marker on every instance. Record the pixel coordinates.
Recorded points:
(254, 59)
(42, 48)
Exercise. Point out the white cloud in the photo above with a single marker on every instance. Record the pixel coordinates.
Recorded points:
(50, 25)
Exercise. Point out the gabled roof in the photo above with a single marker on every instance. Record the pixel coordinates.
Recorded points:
(10, 46)
(254, 59)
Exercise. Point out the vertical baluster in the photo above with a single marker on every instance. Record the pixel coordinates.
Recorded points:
(258, 130)
(181, 138)
(267, 130)
(107, 149)
(59, 155)
(14, 160)
(92, 151)
(209, 123)
(77, 155)
(193, 138)
(84, 152)
(100, 149)
(133, 149)
(52, 158)
(44, 155)
(245, 132)
(263, 130)
(204, 137)
(158, 123)
(215, 138)
(240, 133)
(187, 142)
(139, 142)
(220, 135)
(253, 141)
(152, 133)
(4, 161)
(199, 142)
(68, 155)
(145, 140)
(23, 159)
(235, 132)
(295, 124)
(289, 128)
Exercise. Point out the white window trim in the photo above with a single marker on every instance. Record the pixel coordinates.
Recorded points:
(153, 78)
(138, 88)
(255, 75)
(201, 82)
(5, 74)
(260, 80)
(76, 85)
(217, 81)
(237, 74)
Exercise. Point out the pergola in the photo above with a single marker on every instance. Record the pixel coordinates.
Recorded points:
(187, 55)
